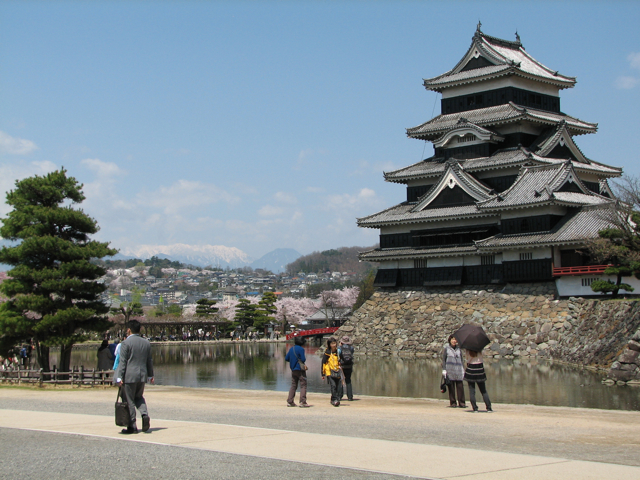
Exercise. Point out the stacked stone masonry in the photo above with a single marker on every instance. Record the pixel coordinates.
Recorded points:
(522, 321)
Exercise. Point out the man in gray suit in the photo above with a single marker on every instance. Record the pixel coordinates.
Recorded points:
(134, 369)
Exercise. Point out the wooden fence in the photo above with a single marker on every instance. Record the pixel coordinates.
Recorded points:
(77, 376)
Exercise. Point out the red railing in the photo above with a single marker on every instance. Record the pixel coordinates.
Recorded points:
(311, 333)
(586, 270)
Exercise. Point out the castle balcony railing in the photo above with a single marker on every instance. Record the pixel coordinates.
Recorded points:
(584, 270)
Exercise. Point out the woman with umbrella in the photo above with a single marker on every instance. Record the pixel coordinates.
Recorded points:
(473, 339)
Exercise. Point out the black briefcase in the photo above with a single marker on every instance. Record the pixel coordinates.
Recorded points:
(122, 411)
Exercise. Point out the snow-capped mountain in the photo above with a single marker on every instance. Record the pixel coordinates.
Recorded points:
(198, 255)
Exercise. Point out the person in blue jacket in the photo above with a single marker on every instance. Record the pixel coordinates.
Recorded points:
(296, 358)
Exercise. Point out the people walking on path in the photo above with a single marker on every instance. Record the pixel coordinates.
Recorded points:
(453, 370)
(296, 358)
(105, 358)
(346, 362)
(332, 371)
(475, 374)
(134, 369)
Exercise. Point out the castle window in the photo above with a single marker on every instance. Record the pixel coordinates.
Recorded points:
(420, 263)
(469, 137)
(586, 282)
(526, 256)
(488, 260)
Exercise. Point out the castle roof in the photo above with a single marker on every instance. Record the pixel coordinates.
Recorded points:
(573, 229)
(498, 115)
(544, 184)
(489, 58)
(506, 158)
(404, 213)
(536, 185)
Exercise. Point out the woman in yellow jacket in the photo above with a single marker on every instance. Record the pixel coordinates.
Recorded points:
(332, 371)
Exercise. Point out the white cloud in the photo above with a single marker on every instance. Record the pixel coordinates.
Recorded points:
(15, 146)
(364, 198)
(287, 198)
(634, 60)
(626, 83)
(13, 171)
(314, 189)
(184, 194)
(270, 211)
(104, 169)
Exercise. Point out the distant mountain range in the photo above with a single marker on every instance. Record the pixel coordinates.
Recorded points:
(277, 260)
(212, 255)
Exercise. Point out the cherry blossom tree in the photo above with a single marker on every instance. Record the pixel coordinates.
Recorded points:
(293, 310)
(332, 303)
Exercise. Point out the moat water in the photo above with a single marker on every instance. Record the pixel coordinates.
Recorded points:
(261, 366)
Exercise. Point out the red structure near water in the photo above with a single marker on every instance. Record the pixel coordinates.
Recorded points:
(311, 333)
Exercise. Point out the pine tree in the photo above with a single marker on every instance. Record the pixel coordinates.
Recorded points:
(266, 311)
(54, 295)
(246, 313)
(205, 308)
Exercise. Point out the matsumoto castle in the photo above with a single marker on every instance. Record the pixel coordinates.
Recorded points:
(508, 196)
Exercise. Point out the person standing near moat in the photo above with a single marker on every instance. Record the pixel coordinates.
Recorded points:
(475, 374)
(105, 358)
(296, 358)
(332, 370)
(134, 369)
(345, 353)
(453, 369)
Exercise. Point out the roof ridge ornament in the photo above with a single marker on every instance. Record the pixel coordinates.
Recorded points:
(479, 26)
(517, 37)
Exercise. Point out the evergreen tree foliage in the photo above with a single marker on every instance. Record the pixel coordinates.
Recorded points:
(205, 308)
(266, 310)
(130, 309)
(246, 313)
(366, 289)
(619, 247)
(54, 295)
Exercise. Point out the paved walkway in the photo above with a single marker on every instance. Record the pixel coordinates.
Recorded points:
(429, 457)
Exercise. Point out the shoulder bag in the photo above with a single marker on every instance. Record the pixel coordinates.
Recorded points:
(303, 367)
(122, 410)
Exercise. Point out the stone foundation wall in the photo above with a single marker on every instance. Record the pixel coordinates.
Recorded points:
(524, 320)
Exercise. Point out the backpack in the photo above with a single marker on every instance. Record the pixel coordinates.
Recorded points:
(23, 352)
(346, 356)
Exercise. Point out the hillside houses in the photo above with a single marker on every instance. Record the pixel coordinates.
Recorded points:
(185, 286)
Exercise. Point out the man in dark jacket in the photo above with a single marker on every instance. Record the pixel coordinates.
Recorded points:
(134, 369)
(296, 358)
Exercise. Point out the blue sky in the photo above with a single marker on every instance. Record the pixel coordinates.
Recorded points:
(260, 125)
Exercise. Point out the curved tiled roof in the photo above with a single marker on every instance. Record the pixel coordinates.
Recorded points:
(538, 185)
(498, 115)
(404, 214)
(509, 157)
(408, 252)
(573, 229)
(508, 58)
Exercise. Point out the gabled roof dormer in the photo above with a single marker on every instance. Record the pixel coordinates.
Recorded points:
(559, 144)
(456, 187)
(489, 58)
(545, 184)
(467, 133)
